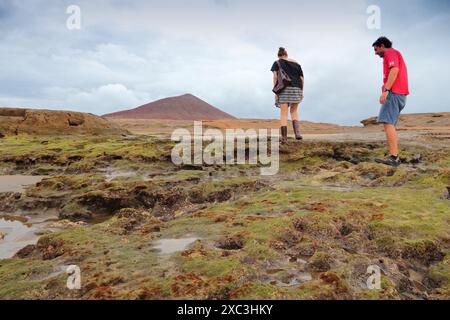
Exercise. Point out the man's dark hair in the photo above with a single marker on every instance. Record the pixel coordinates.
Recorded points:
(383, 41)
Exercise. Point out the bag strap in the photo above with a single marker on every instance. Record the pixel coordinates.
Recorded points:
(280, 68)
(279, 65)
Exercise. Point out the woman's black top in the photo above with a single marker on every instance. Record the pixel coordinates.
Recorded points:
(293, 69)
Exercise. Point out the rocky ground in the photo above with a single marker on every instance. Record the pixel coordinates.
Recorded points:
(422, 125)
(140, 227)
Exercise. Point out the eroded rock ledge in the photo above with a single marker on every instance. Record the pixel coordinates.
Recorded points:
(15, 121)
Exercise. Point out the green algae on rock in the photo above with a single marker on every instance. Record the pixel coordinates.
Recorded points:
(329, 207)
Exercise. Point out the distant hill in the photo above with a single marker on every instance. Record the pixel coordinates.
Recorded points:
(185, 107)
(36, 121)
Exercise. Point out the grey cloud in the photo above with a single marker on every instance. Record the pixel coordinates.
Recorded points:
(223, 3)
(130, 53)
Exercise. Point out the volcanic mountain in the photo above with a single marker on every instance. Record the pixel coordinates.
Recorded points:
(185, 107)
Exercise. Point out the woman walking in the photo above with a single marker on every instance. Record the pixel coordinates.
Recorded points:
(292, 95)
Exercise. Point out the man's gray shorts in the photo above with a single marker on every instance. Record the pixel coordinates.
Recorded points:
(390, 111)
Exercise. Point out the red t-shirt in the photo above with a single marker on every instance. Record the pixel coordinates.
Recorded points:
(393, 58)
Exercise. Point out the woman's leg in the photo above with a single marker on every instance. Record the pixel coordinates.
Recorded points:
(283, 121)
(284, 114)
(294, 113)
(295, 123)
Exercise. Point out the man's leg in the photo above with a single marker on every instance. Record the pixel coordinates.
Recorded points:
(389, 114)
(391, 136)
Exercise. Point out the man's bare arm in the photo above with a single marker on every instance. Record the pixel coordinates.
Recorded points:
(275, 78)
(302, 82)
(393, 74)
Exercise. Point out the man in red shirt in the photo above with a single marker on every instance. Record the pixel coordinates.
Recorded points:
(393, 97)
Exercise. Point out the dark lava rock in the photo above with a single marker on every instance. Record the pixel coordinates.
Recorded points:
(107, 201)
(346, 229)
(320, 262)
(25, 161)
(50, 248)
(75, 213)
(426, 252)
(433, 281)
(330, 277)
(300, 224)
(289, 238)
(405, 285)
(446, 195)
(230, 243)
(75, 158)
(109, 157)
(416, 159)
(161, 211)
(305, 249)
(221, 293)
(132, 213)
(130, 219)
(26, 251)
(191, 167)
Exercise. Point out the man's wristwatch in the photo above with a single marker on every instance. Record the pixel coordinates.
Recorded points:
(386, 90)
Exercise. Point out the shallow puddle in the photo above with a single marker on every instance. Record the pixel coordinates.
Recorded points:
(57, 270)
(295, 280)
(339, 188)
(290, 281)
(300, 261)
(112, 173)
(14, 235)
(16, 183)
(292, 274)
(18, 231)
(170, 246)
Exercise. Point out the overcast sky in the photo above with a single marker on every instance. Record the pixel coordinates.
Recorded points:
(128, 53)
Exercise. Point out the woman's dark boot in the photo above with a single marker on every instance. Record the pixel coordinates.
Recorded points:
(284, 132)
(296, 126)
